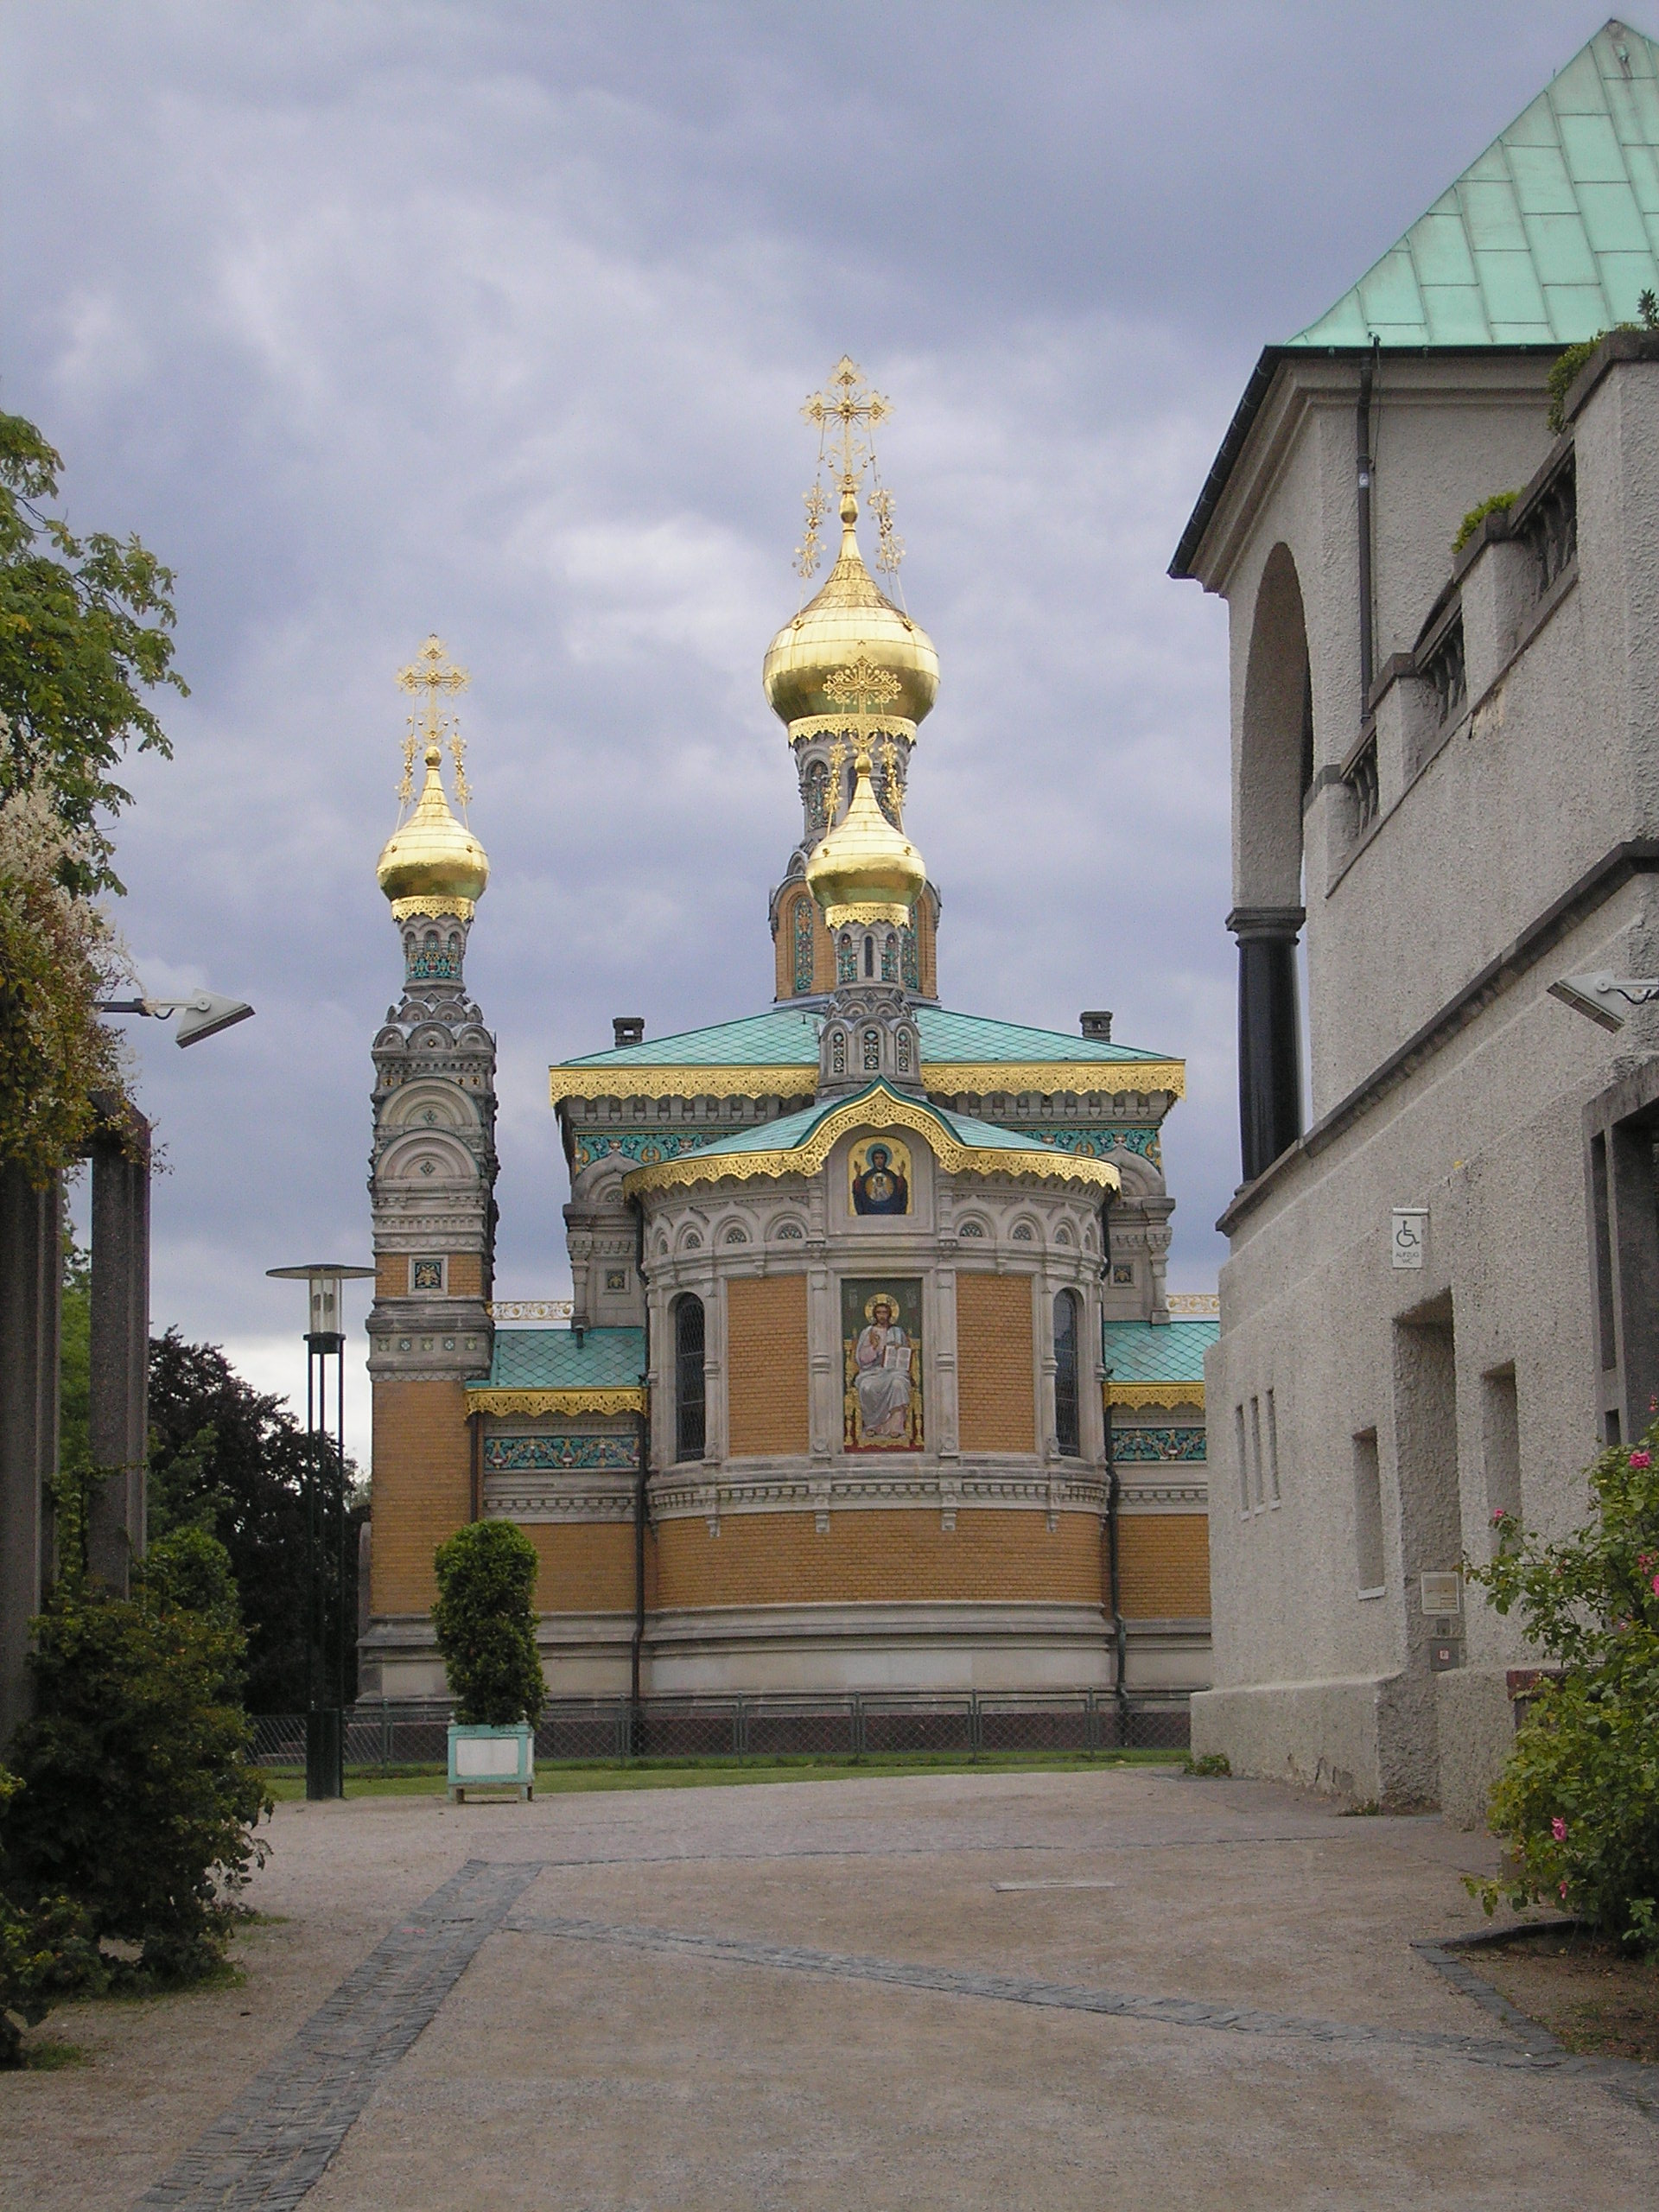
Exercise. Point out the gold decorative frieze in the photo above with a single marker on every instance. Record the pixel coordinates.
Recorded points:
(1154, 1393)
(949, 1078)
(1079, 1077)
(483, 1400)
(882, 1111)
(434, 905)
(790, 1083)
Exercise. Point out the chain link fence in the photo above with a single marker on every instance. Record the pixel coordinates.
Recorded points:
(386, 1738)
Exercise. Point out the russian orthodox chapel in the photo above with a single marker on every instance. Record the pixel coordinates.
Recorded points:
(871, 1380)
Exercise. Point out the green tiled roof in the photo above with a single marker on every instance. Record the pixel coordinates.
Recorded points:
(556, 1359)
(786, 1039)
(792, 1129)
(1163, 1352)
(1548, 238)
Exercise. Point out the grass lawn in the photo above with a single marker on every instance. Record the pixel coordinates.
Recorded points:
(558, 1776)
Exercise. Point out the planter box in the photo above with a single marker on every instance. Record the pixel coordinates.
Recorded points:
(487, 1760)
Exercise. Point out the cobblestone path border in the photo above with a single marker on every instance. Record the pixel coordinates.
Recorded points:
(1635, 2084)
(271, 2147)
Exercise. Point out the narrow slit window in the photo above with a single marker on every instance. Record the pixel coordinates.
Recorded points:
(1367, 1515)
(1243, 1463)
(1273, 1450)
(1067, 1430)
(1255, 1450)
(690, 1399)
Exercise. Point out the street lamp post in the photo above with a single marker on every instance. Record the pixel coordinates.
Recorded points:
(325, 1339)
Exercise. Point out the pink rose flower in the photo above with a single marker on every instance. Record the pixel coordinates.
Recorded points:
(1499, 1517)
(1655, 1585)
(1563, 1889)
(1641, 1459)
(1558, 1829)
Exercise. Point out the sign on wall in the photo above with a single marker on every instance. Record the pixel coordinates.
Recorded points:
(1410, 1238)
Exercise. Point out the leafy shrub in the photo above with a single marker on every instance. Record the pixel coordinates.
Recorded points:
(1499, 504)
(1566, 366)
(47, 1953)
(486, 1624)
(1578, 1800)
(139, 1801)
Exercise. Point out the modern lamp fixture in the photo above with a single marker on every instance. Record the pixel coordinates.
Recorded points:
(203, 1015)
(325, 1684)
(1605, 998)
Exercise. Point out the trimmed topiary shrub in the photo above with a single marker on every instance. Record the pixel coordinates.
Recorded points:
(1578, 1800)
(486, 1623)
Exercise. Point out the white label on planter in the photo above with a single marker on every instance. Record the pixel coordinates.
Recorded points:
(487, 1755)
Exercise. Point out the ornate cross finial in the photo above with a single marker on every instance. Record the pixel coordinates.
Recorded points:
(845, 415)
(425, 677)
(864, 688)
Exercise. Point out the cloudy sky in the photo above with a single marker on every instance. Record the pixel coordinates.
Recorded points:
(374, 318)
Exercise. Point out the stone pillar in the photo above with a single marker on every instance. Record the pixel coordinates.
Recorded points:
(119, 1411)
(31, 1297)
(1269, 1044)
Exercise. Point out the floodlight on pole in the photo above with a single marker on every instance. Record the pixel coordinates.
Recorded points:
(203, 1014)
(1604, 998)
(325, 1338)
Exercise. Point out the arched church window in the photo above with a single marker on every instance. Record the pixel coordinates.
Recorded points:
(869, 956)
(814, 787)
(904, 1051)
(690, 1400)
(872, 1051)
(909, 966)
(890, 958)
(802, 945)
(846, 960)
(838, 1052)
(1067, 1437)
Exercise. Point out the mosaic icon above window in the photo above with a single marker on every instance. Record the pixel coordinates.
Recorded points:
(879, 1176)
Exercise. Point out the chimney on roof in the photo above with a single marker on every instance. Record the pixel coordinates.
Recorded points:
(1098, 1025)
(630, 1028)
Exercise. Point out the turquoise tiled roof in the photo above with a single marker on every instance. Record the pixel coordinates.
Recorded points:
(1547, 238)
(789, 1039)
(557, 1359)
(792, 1129)
(1162, 1351)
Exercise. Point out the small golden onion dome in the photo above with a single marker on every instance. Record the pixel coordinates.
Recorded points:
(432, 864)
(864, 870)
(850, 620)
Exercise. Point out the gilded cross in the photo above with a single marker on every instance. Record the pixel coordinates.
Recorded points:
(844, 415)
(427, 675)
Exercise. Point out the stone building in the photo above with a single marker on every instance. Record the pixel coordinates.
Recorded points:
(1440, 1298)
(832, 1409)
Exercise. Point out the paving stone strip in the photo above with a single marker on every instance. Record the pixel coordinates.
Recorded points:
(1635, 2082)
(273, 2144)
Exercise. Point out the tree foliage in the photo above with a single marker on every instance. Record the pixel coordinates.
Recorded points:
(47, 1953)
(485, 1617)
(1578, 1800)
(231, 1460)
(138, 1799)
(85, 625)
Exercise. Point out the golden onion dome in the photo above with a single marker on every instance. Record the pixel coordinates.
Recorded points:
(850, 620)
(864, 870)
(432, 864)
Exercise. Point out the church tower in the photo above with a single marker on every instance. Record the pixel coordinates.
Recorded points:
(431, 1186)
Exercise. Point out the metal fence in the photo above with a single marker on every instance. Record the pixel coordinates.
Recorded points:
(384, 1737)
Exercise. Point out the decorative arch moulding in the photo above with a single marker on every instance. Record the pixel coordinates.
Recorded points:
(631, 1400)
(872, 1113)
(1108, 1078)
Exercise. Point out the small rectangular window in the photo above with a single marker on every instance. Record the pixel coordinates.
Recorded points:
(1273, 1450)
(1500, 1445)
(1255, 1449)
(1243, 1464)
(1367, 1515)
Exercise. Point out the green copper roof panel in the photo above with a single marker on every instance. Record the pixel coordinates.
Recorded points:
(1161, 1352)
(791, 1129)
(789, 1039)
(1550, 237)
(556, 1359)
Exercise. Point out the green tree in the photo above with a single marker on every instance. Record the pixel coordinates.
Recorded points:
(47, 1953)
(484, 1619)
(139, 1801)
(1578, 1800)
(85, 626)
(229, 1458)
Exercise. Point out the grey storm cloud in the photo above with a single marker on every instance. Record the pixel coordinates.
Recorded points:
(496, 320)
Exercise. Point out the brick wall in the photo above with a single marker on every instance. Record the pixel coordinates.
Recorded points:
(465, 1274)
(995, 1389)
(1164, 1566)
(587, 1567)
(895, 1557)
(766, 1365)
(423, 1487)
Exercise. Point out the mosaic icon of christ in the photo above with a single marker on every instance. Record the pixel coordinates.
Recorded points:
(881, 1357)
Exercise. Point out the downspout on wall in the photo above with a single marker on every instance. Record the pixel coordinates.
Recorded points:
(1365, 470)
(1113, 1586)
(636, 1716)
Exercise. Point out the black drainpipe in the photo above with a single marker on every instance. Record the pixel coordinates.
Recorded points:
(1120, 1633)
(1363, 446)
(636, 1716)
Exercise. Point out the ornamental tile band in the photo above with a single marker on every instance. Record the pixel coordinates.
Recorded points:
(1158, 1444)
(1099, 1144)
(555, 1454)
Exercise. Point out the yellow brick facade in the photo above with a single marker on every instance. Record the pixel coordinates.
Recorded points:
(824, 947)
(465, 1277)
(1164, 1566)
(586, 1566)
(765, 1364)
(995, 1391)
(895, 1557)
(422, 1486)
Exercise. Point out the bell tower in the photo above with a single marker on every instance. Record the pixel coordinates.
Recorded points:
(432, 1186)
